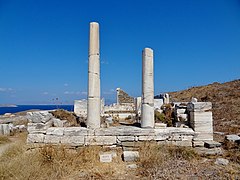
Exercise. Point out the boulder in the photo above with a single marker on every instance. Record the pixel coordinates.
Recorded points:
(232, 137)
(221, 161)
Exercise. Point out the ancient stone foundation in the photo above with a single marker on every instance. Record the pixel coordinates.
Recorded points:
(80, 136)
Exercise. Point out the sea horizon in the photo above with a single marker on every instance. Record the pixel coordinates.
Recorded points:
(26, 107)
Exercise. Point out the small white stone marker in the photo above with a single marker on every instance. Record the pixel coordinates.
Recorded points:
(105, 157)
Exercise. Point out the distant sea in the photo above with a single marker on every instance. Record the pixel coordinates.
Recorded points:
(20, 108)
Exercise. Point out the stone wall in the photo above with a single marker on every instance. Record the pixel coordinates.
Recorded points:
(123, 97)
(81, 136)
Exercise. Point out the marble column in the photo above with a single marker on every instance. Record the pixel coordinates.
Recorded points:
(147, 117)
(94, 102)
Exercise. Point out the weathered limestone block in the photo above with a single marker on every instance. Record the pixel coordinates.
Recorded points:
(36, 128)
(179, 111)
(177, 137)
(55, 131)
(160, 125)
(100, 140)
(52, 139)
(77, 131)
(211, 144)
(182, 131)
(73, 140)
(198, 143)
(39, 116)
(232, 137)
(199, 106)
(4, 129)
(35, 138)
(126, 138)
(57, 122)
(146, 138)
(200, 136)
(129, 156)
(123, 131)
(207, 151)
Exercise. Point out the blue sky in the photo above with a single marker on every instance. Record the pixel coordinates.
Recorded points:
(44, 46)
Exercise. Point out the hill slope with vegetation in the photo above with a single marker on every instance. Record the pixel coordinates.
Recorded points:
(226, 103)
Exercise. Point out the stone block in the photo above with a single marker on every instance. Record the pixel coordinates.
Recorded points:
(123, 131)
(132, 144)
(73, 140)
(146, 138)
(100, 140)
(52, 139)
(180, 111)
(126, 138)
(180, 143)
(129, 156)
(207, 151)
(57, 122)
(176, 137)
(57, 131)
(39, 116)
(232, 137)
(198, 144)
(77, 131)
(37, 128)
(202, 136)
(211, 144)
(4, 129)
(199, 106)
(35, 138)
(160, 125)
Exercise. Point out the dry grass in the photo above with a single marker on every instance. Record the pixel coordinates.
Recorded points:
(57, 162)
(66, 115)
(4, 140)
(172, 162)
(226, 103)
(155, 162)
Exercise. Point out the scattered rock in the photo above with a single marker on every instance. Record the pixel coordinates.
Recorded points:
(129, 156)
(221, 161)
(232, 137)
(132, 166)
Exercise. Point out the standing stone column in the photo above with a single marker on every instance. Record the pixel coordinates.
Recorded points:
(94, 102)
(147, 118)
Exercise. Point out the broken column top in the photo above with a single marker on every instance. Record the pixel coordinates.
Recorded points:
(199, 106)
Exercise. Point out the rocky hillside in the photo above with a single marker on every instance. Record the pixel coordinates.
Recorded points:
(226, 103)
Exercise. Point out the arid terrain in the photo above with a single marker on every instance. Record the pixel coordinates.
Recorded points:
(19, 160)
(226, 103)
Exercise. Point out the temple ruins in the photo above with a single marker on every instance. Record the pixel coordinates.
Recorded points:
(192, 125)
